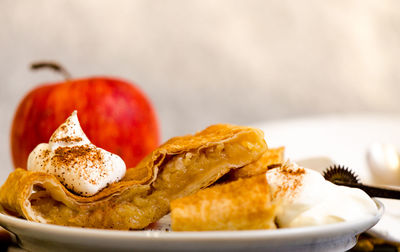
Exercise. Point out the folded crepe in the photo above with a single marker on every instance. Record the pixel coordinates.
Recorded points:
(180, 167)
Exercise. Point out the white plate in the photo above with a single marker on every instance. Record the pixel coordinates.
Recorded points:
(44, 237)
(345, 140)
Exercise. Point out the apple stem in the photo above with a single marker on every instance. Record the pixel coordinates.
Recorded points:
(52, 65)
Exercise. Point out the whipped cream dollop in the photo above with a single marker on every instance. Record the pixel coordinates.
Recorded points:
(81, 166)
(305, 198)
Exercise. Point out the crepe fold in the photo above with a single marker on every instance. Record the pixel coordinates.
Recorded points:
(180, 167)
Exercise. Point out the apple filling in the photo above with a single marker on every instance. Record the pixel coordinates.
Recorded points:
(195, 166)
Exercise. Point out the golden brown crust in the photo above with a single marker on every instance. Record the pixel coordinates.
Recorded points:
(271, 158)
(178, 168)
(239, 205)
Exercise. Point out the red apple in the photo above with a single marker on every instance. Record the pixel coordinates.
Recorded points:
(114, 114)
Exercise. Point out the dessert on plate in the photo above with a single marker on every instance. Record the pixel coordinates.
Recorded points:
(296, 197)
(222, 178)
(72, 182)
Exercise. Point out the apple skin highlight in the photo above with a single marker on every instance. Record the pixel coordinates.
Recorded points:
(114, 114)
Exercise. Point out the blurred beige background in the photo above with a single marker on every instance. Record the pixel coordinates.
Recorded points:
(203, 62)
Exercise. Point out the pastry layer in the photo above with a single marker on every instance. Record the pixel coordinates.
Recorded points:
(178, 168)
(271, 158)
(240, 205)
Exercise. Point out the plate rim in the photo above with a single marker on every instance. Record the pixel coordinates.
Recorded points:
(7, 221)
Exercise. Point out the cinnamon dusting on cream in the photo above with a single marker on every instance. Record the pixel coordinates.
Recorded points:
(81, 166)
(305, 198)
(292, 179)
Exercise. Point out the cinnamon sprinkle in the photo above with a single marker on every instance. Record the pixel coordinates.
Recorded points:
(79, 158)
(292, 179)
(68, 139)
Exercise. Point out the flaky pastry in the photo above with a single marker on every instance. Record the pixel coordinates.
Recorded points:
(271, 158)
(178, 168)
(243, 204)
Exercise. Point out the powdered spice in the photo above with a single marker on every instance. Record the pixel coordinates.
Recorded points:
(79, 158)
